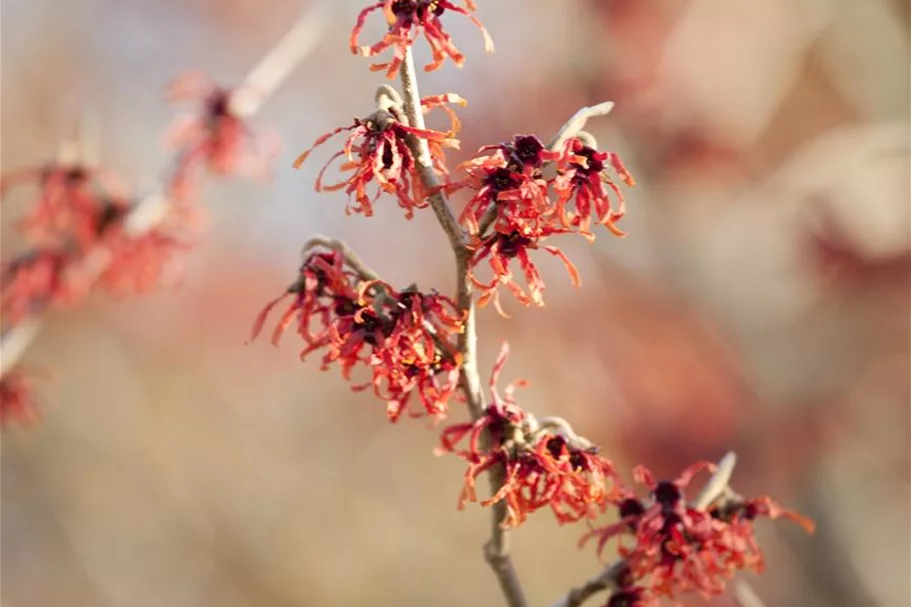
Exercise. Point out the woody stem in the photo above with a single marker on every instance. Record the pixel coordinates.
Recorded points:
(496, 550)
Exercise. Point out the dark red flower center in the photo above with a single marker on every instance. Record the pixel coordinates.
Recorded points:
(110, 214)
(667, 494)
(502, 180)
(527, 149)
(594, 165)
(511, 244)
(555, 446)
(416, 10)
(578, 461)
(218, 104)
(344, 307)
(631, 507)
(75, 175)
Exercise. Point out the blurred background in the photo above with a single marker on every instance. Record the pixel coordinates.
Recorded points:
(760, 304)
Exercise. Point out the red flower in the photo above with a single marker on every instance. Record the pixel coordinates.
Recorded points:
(402, 337)
(589, 481)
(36, 280)
(135, 265)
(417, 351)
(68, 203)
(217, 138)
(377, 151)
(406, 18)
(739, 545)
(677, 548)
(542, 469)
(397, 381)
(583, 175)
(17, 399)
(506, 244)
(323, 276)
(508, 180)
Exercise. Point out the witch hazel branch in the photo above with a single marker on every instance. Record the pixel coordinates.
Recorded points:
(416, 349)
(88, 233)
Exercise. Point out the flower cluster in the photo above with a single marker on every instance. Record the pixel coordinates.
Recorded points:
(402, 337)
(672, 547)
(17, 398)
(215, 139)
(71, 201)
(406, 20)
(542, 467)
(85, 231)
(376, 153)
(515, 208)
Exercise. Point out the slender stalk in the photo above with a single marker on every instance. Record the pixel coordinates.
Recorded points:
(339, 246)
(745, 596)
(496, 551)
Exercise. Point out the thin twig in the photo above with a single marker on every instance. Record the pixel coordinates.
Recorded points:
(275, 67)
(496, 551)
(745, 596)
(262, 80)
(351, 258)
(577, 122)
(718, 484)
(607, 579)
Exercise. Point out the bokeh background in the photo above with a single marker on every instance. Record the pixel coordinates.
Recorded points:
(760, 304)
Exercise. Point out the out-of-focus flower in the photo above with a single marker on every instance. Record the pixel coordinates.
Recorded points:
(406, 20)
(36, 280)
(68, 202)
(216, 138)
(376, 151)
(17, 398)
(135, 265)
(739, 545)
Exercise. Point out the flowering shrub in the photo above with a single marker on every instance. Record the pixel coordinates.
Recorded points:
(416, 349)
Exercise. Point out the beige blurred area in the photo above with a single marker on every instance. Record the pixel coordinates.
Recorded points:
(760, 303)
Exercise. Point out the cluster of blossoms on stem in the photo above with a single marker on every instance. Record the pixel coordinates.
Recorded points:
(406, 20)
(414, 345)
(87, 233)
(17, 398)
(401, 336)
(544, 468)
(514, 208)
(376, 154)
(672, 547)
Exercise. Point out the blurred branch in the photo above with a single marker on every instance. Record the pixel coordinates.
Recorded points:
(745, 596)
(260, 83)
